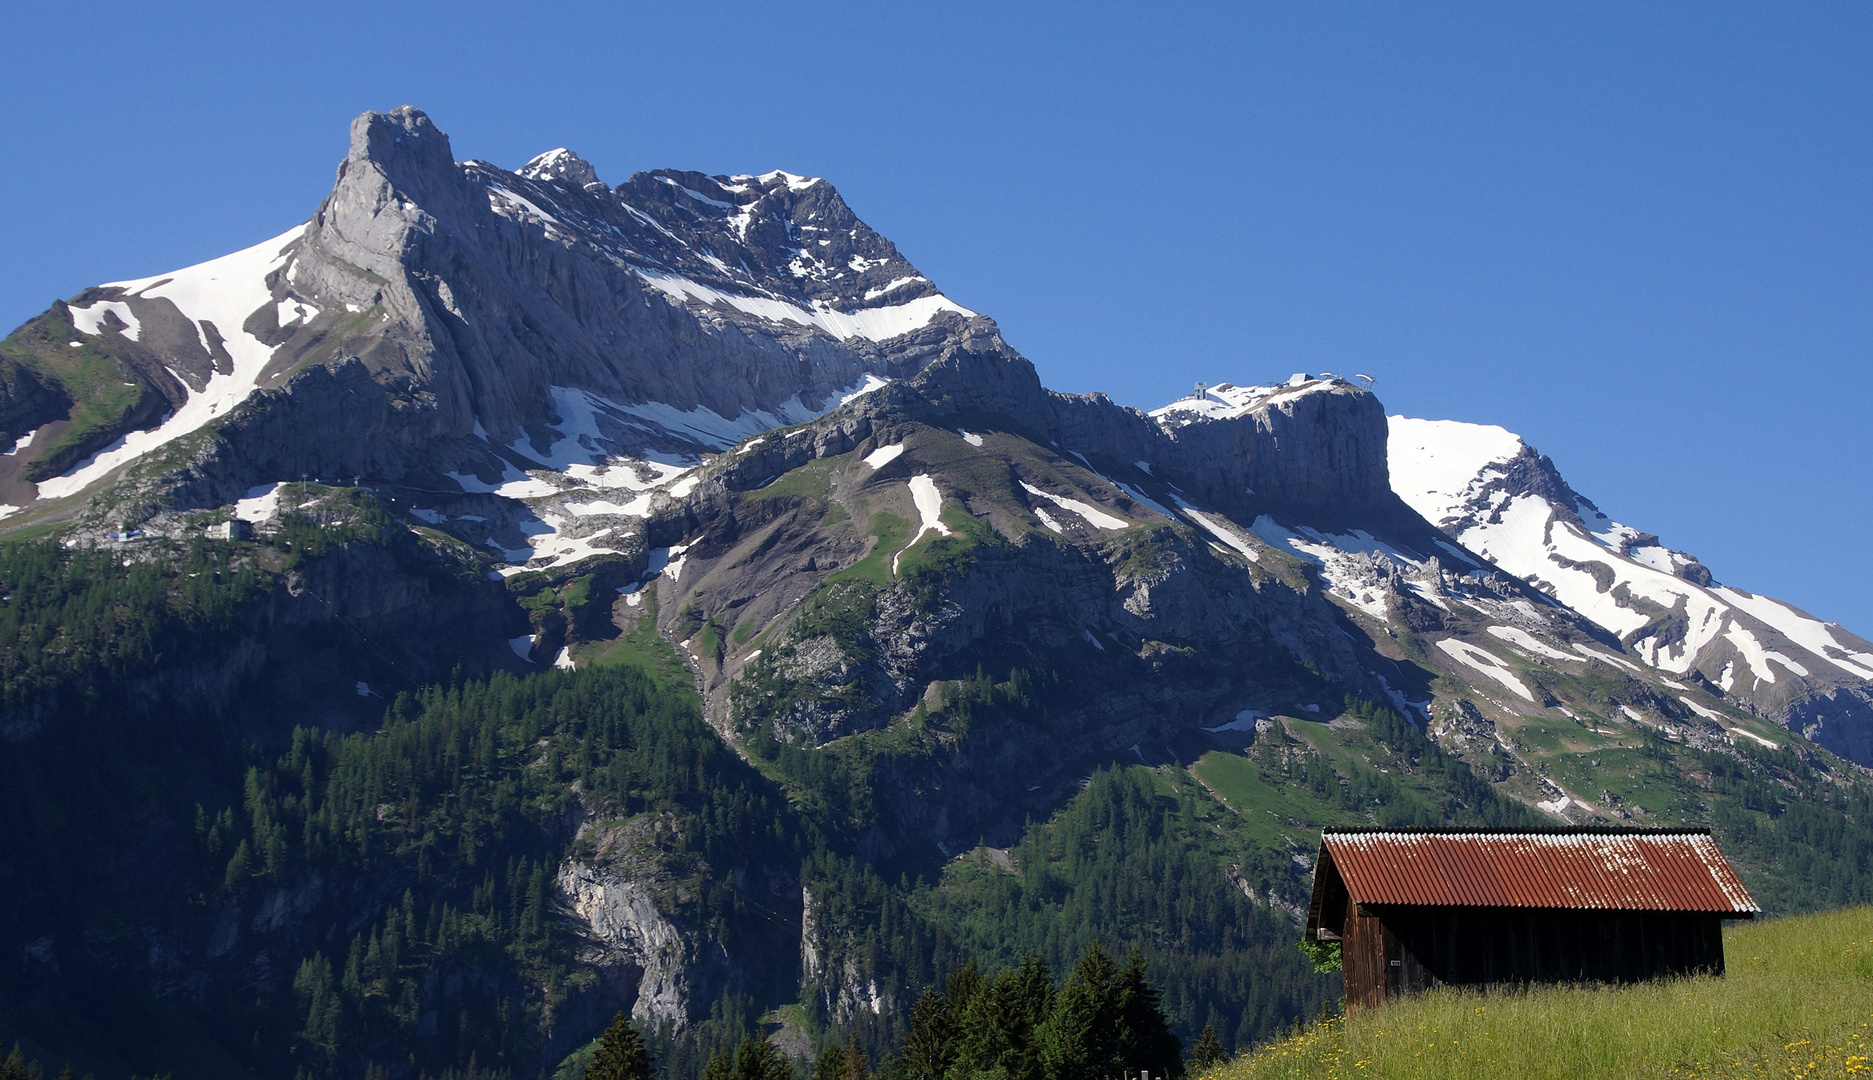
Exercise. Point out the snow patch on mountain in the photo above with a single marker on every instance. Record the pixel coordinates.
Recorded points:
(1486, 662)
(222, 292)
(1225, 401)
(1529, 643)
(1356, 566)
(708, 427)
(870, 383)
(90, 320)
(884, 455)
(929, 502)
(261, 504)
(1803, 629)
(575, 473)
(1221, 528)
(1092, 514)
(872, 324)
(1436, 465)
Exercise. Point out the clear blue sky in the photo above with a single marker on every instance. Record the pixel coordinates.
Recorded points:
(1640, 235)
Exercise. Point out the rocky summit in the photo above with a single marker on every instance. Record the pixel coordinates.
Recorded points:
(506, 600)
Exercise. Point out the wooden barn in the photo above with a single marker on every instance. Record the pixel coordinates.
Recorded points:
(1416, 908)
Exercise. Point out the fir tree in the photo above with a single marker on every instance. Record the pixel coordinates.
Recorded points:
(831, 1063)
(758, 1059)
(1031, 1000)
(1079, 1041)
(15, 1066)
(929, 1049)
(842, 1062)
(980, 1036)
(1209, 1050)
(620, 1054)
(1145, 1040)
(962, 988)
(854, 1064)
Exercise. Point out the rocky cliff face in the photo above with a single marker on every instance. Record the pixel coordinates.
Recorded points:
(420, 322)
(626, 906)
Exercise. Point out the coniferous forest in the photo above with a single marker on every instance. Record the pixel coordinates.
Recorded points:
(439, 831)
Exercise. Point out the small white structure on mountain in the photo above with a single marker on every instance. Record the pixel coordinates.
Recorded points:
(231, 529)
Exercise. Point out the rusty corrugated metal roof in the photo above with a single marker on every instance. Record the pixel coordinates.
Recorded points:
(1610, 869)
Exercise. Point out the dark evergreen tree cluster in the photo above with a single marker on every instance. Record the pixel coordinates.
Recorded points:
(1143, 859)
(81, 618)
(457, 795)
(620, 1055)
(1208, 1053)
(754, 1059)
(1103, 1022)
(842, 1061)
(17, 1066)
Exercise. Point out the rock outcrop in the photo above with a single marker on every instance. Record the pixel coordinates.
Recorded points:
(445, 301)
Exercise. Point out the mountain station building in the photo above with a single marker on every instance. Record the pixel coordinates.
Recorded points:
(1417, 908)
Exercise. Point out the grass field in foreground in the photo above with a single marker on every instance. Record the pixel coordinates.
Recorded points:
(1797, 1001)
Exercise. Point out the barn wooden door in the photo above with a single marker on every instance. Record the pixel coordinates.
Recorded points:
(1403, 972)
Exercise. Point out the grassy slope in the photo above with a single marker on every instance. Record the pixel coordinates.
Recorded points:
(641, 647)
(1796, 837)
(103, 391)
(1303, 775)
(1797, 1001)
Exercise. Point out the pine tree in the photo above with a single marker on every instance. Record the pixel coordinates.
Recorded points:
(831, 1063)
(976, 1015)
(1209, 1050)
(854, 1060)
(15, 1066)
(1030, 998)
(620, 1054)
(758, 1059)
(929, 1049)
(1079, 1041)
(1145, 1040)
(962, 987)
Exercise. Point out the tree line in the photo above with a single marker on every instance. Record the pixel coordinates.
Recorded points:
(1105, 1021)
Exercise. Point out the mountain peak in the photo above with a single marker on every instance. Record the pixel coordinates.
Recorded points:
(407, 151)
(560, 164)
(405, 133)
(773, 179)
(1224, 401)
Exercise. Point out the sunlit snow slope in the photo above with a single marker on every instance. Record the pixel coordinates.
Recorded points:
(1491, 492)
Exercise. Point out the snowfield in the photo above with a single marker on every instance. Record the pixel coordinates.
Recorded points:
(1454, 475)
(222, 291)
(872, 324)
